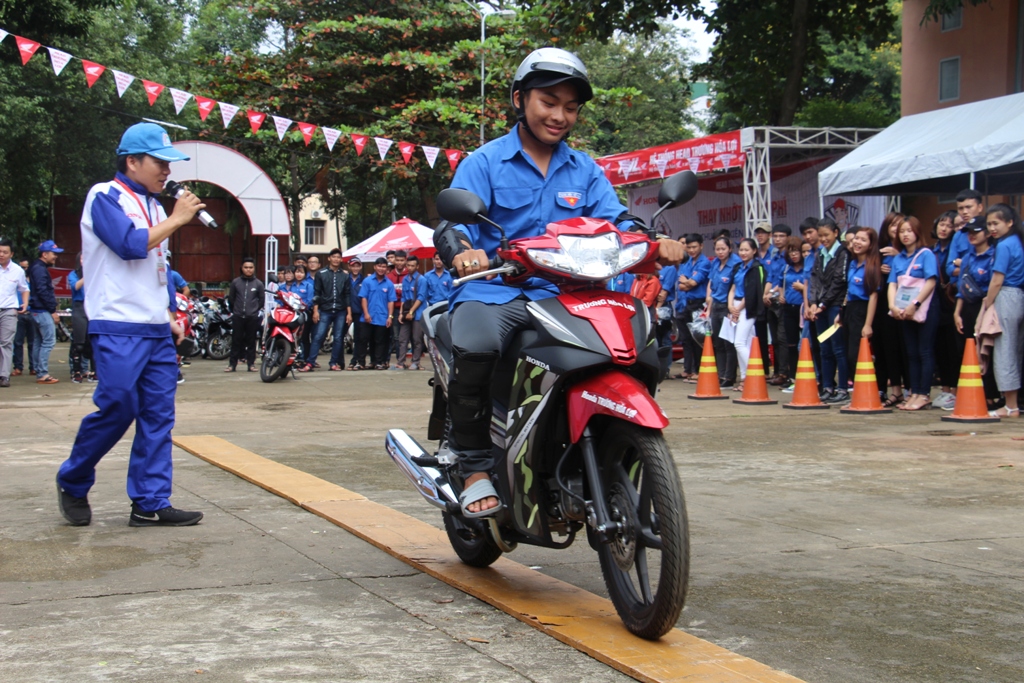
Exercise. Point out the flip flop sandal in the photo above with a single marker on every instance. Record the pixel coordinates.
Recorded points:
(477, 492)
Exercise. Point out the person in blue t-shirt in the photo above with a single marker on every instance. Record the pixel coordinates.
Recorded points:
(527, 179)
(917, 261)
(774, 261)
(436, 285)
(792, 282)
(974, 278)
(863, 280)
(692, 286)
(719, 283)
(377, 299)
(410, 330)
(81, 349)
(1006, 293)
(360, 328)
(623, 282)
(969, 204)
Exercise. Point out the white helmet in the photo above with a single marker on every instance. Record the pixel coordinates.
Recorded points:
(550, 66)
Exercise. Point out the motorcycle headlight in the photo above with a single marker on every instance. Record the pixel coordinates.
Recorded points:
(590, 257)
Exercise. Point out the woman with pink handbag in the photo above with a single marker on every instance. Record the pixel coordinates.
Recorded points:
(912, 282)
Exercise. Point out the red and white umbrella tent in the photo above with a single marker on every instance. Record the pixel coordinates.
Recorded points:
(405, 234)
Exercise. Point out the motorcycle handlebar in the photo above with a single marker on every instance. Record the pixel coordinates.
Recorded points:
(495, 262)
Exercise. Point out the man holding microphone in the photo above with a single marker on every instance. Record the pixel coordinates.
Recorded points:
(132, 329)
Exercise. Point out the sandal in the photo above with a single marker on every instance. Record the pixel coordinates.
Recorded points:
(1005, 412)
(47, 379)
(924, 406)
(893, 401)
(474, 494)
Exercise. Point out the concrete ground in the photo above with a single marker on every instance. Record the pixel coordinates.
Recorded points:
(836, 548)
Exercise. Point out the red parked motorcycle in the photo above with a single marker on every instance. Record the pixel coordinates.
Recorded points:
(576, 431)
(284, 328)
(184, 314)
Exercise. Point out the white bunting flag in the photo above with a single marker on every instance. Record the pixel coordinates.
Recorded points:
(227, 112)
(122, 80)
(4, 34)
(694, 164)
(58, 58)
(331, 136)
(431, 154)
(627, 166)
(383, 145)
(180, 97)
(662, 163)
(282, 125)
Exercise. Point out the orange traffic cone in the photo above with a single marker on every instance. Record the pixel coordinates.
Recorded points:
(805, 393)
(865, 385)
(970, 396)
(755, 388)
(707, 379)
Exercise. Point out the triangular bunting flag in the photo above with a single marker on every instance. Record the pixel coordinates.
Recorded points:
(92, 71)
(360, 142)
(331, 136)
(205, 105)
(453, 157)
(662, 164)
(307, 131)
(180, 97)
(122, 80)
(59, 59)
(406, 148)
(256, 119)
(3, 34)
(383, 145)
(153, 90)
(282, 124)
(694, 164)
(227, 112)
(26, 48)
(431, 154)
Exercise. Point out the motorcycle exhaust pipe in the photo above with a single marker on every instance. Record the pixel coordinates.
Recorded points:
(428, 481)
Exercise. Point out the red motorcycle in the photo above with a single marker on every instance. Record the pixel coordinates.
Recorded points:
(284, 328)
(184, 314)
(576, 431)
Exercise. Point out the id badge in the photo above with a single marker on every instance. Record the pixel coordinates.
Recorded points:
(161, 267)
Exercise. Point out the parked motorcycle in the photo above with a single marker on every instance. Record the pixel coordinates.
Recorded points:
(218, 331)
(577, 433)
(284, 329)
(184, 315)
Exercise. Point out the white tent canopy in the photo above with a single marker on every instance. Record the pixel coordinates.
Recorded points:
(980, 144)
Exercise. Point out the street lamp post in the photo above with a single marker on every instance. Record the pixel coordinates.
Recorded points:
(483, 38)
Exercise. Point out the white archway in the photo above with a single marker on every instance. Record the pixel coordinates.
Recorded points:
(250, 185)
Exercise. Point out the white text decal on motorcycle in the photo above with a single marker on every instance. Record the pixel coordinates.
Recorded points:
(538, 363)
(609, 404)
(603, 302)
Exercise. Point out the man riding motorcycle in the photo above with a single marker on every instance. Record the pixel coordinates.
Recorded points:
(527, 179)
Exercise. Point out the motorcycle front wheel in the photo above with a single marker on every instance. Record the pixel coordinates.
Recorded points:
(219, 346)
(275, 359)
(646, 565)
(471, 541)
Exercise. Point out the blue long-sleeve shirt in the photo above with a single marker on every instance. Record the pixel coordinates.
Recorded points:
(40, 285)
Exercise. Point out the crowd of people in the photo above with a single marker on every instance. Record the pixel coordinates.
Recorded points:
(916, 294)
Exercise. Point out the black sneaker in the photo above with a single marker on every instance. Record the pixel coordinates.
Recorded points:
(75, 510)
(825, 394)
(838, 397)
(76, 378)
(181, 377)
(167, 516)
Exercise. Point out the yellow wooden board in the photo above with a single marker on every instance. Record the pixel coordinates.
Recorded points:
(572, 615)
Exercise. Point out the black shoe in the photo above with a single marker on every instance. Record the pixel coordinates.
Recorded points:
(825, 394)
(168, 516)
(838, 397)
(76, 378)
(75, 510)
(724, 383)
(181, 378)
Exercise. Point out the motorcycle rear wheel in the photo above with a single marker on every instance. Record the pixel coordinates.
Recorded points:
(275, 359)
(646, 566)
(219, 347)
(478, 551)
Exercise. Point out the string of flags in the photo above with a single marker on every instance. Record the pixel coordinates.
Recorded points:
(93, 71)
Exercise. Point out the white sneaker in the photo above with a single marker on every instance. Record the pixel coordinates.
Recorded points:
(945, 401)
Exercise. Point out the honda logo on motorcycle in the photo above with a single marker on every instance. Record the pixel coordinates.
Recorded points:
(619, 408)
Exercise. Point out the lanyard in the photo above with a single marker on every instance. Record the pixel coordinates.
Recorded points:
(145, 212)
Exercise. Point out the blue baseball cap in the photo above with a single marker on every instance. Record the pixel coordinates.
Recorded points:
(151, 139)
(50, 245)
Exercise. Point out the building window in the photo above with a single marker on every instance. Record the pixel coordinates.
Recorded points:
(953, 20)
(315, 231)
(949, 79)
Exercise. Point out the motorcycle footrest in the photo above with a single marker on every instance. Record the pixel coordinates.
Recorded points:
(425, 461)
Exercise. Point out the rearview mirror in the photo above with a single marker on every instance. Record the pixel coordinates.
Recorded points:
(678, 189)
(460, 206)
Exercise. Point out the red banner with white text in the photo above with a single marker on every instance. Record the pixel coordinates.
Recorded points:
(719, 152)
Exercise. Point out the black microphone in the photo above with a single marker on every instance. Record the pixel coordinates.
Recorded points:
(176, 190)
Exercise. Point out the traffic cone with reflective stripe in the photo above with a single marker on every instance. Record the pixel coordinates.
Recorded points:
(755, 387)
(970, 395)
(805, 391)
(865, 385)
(707, 379)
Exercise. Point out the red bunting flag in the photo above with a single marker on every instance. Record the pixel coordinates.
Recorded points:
(26, 48)
(205, 105)
(453, 157)
(256, 119)
(92, 71)
(307, 131)
(406, 148)
(360, 142)
(153, 90)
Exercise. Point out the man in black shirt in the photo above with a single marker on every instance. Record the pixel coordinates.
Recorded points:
(332, 308)
(245, 299)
